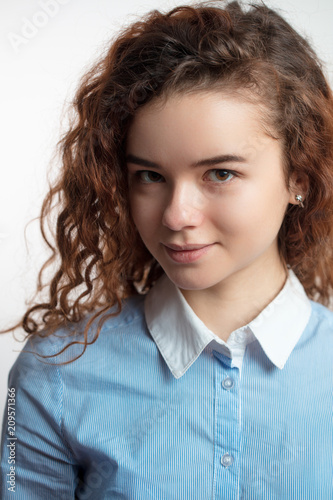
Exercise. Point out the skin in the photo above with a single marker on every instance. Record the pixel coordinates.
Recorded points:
(232, 207)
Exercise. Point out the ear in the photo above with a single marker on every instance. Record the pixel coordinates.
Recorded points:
(298, 185)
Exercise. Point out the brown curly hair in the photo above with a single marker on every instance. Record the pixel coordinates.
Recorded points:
(101, 258)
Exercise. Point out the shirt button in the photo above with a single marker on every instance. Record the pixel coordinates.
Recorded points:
(228, 383)
(227, 460)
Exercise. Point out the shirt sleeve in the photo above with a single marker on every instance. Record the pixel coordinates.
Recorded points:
(36, 461)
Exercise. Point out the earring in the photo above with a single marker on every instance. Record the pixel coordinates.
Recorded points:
(299, 198)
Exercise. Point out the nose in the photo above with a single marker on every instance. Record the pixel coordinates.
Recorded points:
(184, 208)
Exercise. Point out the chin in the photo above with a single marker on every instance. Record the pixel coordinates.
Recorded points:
(191, 281)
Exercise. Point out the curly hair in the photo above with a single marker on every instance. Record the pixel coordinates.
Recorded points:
(249, 50)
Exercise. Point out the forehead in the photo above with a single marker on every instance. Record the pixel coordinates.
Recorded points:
(197, 124)
(240, 96)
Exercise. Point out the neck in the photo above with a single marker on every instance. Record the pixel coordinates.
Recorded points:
(236, 301)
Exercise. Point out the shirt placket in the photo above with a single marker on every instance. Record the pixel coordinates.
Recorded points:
(227, 429)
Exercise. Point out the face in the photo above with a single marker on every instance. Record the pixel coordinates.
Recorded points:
(207, 189)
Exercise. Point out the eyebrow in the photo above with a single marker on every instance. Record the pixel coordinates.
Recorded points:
(207, 162)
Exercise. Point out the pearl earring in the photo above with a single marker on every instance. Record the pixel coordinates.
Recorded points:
(299, 198)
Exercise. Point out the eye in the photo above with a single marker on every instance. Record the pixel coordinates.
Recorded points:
(148, 176)
(221, 176)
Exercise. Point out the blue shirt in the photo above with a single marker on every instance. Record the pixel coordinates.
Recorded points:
(160, 408)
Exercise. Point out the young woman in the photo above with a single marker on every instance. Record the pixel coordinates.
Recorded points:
(185, 351)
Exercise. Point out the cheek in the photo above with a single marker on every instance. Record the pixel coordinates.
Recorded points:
(144, 214)
(251, 212)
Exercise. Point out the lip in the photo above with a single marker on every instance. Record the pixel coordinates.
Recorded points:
(185, 254)
(181, 248)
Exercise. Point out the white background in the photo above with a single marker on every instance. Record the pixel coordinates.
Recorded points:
(59, 38)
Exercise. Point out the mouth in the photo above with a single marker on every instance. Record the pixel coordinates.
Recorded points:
(185, 248)
(186, 254)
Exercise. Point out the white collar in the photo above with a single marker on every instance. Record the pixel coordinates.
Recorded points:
(181, 336)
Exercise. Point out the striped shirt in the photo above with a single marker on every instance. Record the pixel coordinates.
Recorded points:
(160, 408)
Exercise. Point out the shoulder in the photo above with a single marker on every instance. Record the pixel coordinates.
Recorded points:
(132, 311)
(322, 315)
(49, 367)
(69, 340)
(320, 327)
